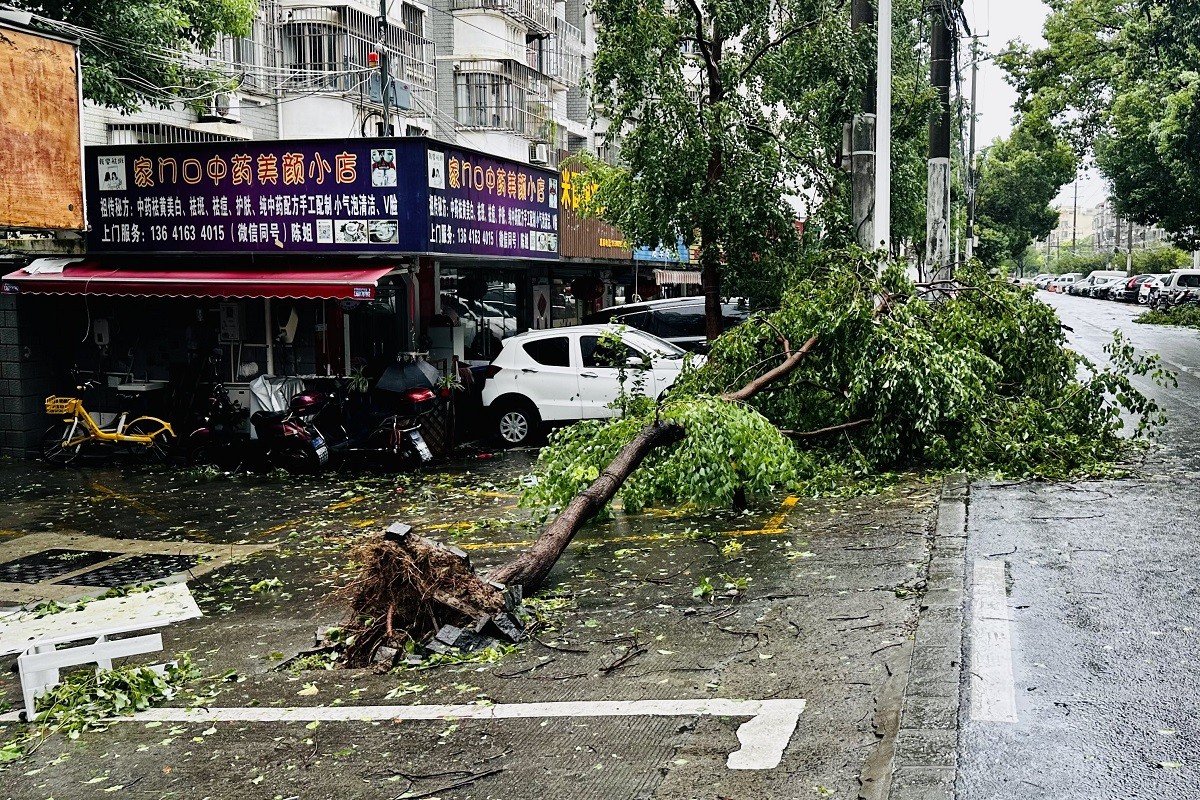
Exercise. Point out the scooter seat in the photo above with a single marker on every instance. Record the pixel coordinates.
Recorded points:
(268, 417)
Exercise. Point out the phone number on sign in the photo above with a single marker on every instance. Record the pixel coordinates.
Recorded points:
(187, 233)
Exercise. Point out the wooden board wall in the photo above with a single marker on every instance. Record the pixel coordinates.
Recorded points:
(41, 176)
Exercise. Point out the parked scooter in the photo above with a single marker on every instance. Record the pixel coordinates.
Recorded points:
(385, 422)
(222, 438)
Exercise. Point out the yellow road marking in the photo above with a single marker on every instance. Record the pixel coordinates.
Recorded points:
(777, 520)
(133, 503)
(345, 504)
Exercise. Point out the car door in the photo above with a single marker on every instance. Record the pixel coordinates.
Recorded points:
(600, 378)
(546, 374)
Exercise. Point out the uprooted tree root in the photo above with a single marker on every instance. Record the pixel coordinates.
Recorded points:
(406, 589)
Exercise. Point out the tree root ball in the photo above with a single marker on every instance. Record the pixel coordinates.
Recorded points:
(406, 589)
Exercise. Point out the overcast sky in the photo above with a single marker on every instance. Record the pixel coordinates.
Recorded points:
(1001, 21)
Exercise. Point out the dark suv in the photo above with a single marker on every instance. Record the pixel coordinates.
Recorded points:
(679, 320)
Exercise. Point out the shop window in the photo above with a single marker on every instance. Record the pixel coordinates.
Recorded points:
(553, 352)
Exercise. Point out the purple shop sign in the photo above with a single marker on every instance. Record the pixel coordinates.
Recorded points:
(480, 205)
(383, 197)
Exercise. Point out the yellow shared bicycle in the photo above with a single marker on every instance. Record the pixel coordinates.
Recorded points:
(63, 442)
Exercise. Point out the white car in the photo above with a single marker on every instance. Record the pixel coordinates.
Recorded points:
(564, 375)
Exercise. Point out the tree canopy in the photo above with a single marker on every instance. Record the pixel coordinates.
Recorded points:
(728, 116)
(1018, 177)
(139, 53)
(1120, 79)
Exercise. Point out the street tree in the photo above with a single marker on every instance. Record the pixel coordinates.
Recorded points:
(1018, 177)
(139, 53)
(721, 111)
(1119, 78)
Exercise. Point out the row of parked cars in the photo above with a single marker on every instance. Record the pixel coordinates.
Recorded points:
(1154, 290)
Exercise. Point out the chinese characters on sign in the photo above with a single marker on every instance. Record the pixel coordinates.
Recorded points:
(485, 206)
(320, 197)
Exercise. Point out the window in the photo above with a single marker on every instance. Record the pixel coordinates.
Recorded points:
(606, 352)
(553, 352)
(484, 100)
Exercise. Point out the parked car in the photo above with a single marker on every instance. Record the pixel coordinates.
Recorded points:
(1174, 286)
(564, 375)
(1060, 283)
(1129, 291)
(1082, 287)
(1101, 290)
(1040, 281)
(679, 320)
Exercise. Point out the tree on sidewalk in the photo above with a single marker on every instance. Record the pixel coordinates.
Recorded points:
(142, 52)
(1018, 178)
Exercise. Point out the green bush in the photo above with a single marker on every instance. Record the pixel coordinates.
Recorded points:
(1188, 316)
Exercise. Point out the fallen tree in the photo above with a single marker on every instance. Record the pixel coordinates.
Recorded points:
(975, 377)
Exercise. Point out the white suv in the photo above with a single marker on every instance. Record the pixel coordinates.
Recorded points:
(565, 375)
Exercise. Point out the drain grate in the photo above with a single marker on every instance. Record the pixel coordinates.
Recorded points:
(135, 570)
(50, 564)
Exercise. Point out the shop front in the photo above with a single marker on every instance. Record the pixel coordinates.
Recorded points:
(288, 258)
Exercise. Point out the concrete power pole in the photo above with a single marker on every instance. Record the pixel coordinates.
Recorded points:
(862, 146)
(937, 218)
(972, 178)
(883, 129)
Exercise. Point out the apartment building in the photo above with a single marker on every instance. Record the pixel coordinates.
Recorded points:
(499, 76)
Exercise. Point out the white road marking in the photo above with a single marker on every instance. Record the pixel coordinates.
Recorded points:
(993, 694)
(763, 738)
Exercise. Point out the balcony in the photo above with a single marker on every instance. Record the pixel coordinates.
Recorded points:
(502, 96)
(535, 15)
(326, 49)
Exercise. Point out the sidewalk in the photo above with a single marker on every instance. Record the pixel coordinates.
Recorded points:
(826, 615)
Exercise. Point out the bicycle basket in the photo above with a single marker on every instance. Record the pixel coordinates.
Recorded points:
(61, 405)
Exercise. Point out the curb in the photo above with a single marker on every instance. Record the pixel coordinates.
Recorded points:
(925, 759)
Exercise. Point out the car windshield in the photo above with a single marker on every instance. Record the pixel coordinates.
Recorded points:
(652, 344)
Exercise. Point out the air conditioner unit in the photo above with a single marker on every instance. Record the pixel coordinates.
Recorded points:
(223, 107)
(539, 153)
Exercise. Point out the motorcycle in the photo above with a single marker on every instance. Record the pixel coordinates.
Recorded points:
(317, 424)
(221, 438)
(383, 422)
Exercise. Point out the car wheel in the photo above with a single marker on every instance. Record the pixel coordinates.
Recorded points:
(517, 423)
(1143, 299)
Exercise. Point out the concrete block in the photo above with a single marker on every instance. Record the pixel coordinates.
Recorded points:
(926, 748)
(952, 519)
(939, 634)
(936, 662)
(922, 783)
(943, 598)
(930, 713)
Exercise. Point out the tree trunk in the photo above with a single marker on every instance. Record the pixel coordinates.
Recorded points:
(710, 278)
(533, 565)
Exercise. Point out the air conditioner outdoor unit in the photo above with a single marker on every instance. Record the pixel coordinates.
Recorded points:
(223, 107)
(539, 153)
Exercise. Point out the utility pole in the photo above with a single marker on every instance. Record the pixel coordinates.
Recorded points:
(385, 73)
(937, 218)
(862, 146)
(1129, 250)
(883, 129)
(972, 178)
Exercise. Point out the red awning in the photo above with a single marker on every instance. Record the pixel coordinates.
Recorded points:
(98, 279)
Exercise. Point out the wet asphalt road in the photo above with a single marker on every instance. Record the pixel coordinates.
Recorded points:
(1102, 608)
